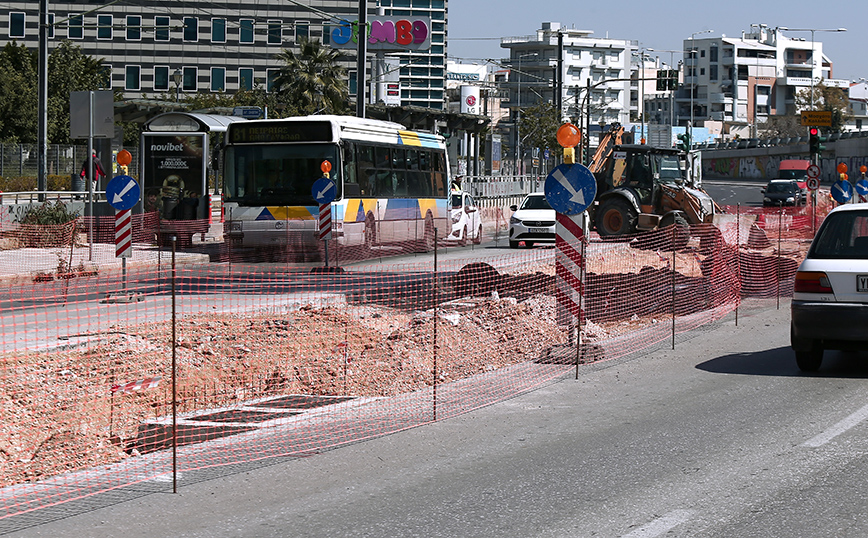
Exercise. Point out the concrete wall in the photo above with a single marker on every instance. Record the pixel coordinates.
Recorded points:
(762, 163)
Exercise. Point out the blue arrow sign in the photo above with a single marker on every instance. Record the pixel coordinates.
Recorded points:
(842, 191)
(570, 188)
(123, 192)
(862, 187)
(324, 190)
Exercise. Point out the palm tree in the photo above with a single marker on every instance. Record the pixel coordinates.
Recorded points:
(312, 81)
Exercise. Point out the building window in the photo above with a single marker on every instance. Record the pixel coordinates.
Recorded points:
(353, 83)
(245, 78)
(134, 28)
(218, 30)
(245, 31)
(270, 77)
(712, 54)
(275, 32)
(189, 79)
(302, 30)
(712, 72)
(218, 79)
(51, 26)
(104, 27)
(326, 35)
(161, 30)
(16, 24)
(191, 29)
(702, 53)
(133, 78)
(76, 26)
(161, 78)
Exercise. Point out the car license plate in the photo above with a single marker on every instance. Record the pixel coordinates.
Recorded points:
(862, 283)
(538, 230)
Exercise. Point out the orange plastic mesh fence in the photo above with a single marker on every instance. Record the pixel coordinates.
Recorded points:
(103, 361)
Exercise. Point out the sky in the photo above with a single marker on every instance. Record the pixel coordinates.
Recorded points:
(476, 26)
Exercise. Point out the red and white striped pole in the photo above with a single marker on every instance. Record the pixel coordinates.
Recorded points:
(123, 234)
(569, 267)
(325, 227)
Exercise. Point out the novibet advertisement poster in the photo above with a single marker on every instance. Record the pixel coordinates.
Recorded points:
(174, 175)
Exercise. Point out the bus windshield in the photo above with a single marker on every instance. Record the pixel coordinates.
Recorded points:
(279, 174)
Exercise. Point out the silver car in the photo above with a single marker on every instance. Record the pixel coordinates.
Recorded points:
(830, 295)
(532, 222)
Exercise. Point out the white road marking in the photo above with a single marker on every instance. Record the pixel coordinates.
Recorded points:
(838, 429)
(661, 525)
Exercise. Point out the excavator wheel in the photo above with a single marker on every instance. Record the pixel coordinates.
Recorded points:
(682, 230)
(616, 216)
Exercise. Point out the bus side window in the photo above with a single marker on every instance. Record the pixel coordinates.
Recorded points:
(365, 167)
(350, 179)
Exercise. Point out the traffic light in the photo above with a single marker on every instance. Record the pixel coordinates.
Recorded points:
(448, 136)
(816, 141)
(683, 142)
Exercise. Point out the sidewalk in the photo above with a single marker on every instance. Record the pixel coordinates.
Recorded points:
(26, 265)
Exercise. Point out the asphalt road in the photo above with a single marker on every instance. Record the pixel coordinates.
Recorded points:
(720, 437)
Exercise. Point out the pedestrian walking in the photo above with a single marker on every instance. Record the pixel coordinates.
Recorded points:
(98, 171)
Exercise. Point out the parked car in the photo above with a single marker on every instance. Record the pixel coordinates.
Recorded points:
(829, 309)
(782, 192)
(466, 220)
(533, 221)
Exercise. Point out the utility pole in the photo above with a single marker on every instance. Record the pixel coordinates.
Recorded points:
(42, 127)
(361, 59)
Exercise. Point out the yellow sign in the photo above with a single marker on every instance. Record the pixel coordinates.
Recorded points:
(817, 118)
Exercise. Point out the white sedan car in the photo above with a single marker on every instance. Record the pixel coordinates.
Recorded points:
(532, 222)
(466, 220)
(830, 295)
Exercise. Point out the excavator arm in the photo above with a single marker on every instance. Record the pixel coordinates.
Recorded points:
(604, 150)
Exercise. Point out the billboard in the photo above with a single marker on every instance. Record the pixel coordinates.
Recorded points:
(386, 33)
(174, 172)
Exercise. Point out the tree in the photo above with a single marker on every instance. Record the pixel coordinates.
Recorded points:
(70, 70)
(538, 127)
(18, 94)
(826, 98)
(312, 81)
(782, 126)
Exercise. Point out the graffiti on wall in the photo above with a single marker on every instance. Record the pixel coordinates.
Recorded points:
(766, 167)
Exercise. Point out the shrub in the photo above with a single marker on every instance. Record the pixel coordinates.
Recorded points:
(47, 225)
(48, 213)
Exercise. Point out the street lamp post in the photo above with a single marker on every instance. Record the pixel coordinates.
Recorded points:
(519, 162)
(812, 30)
(177, 76)
(693, 67)
(642, 55)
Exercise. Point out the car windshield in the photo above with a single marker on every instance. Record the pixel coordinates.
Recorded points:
(456, 200)
(535, 202)
(844, 235)
(793, 174)
(780, 187)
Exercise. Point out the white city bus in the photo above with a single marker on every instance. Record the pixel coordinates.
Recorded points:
(392, 184)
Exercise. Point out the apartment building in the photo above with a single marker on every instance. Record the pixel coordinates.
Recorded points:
(745, 80)
(605, 62)
(157, 48)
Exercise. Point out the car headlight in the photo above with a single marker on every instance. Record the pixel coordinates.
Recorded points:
(767, 199)
(513, 220)
(456, 217)
(791, 199)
